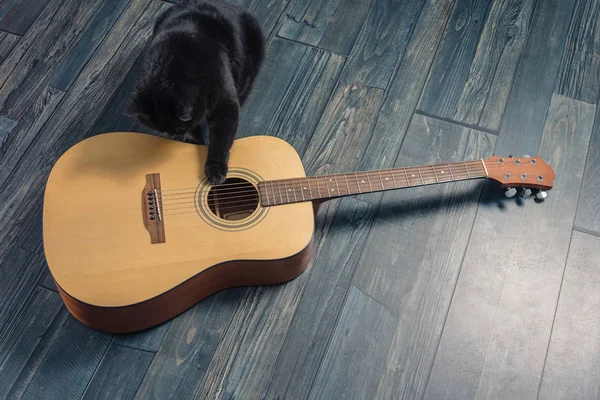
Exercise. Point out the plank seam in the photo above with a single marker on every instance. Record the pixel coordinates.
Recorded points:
(87, 386)
(587, 231)
(134, 348)
(309, 45)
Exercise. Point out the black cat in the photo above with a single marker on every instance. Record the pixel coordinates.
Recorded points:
(201, 63)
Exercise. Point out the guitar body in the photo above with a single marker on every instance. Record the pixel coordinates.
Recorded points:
(121, 269)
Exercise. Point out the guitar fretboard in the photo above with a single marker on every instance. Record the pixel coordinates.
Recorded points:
(294, 190)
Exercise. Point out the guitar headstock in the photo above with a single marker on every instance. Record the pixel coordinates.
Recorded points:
(527, 173)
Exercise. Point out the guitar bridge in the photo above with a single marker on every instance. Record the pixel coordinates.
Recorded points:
(152, 209)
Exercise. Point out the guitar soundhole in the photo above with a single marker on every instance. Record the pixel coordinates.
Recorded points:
(233, 200)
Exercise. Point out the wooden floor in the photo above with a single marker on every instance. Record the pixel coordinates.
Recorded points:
(445, 292)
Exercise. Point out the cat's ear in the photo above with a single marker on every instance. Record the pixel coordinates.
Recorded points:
(185, 112)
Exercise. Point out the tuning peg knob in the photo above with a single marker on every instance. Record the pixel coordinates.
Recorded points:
(526, 156)
(525, 192)
(510, 192)
(541, 195)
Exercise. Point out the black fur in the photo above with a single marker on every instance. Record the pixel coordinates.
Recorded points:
(201, 63)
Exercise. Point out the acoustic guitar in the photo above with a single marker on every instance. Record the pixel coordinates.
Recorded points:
(134, 234)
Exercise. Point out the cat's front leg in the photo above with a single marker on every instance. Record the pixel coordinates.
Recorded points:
(222, 126)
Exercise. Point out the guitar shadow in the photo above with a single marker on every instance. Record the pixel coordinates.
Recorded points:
(485, 193)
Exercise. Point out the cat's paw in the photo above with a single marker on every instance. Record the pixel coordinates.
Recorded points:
(216, 172)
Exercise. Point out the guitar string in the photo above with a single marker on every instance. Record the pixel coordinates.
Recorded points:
(299, 191)
(440, 166)
(283, 184)
(253, 202)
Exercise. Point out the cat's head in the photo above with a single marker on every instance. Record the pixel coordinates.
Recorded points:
(165, 107)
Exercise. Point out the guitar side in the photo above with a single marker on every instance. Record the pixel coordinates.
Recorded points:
(115, 277)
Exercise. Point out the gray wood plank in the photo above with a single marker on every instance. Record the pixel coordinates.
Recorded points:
(357, 350)
(306, 20)
(20, 273)
(21, 16)
(266, 316)
(452, 62)
(588, 211)
(119, 374)
(341, 232)
(70, 363)
(30, 335)
(329, 24)
(291, 93)
(345, 25)
(381, 42)
(28, 69)
(406, 85)
(415, 248)
(269, 14)
(6, 127)
(20, 138)
(493, 69)
(7, 42)
(97, 28)
(112, 118)
(77, 113)
(578, 74)
(5, 6)
(185, 354)
(572, 369)
(148, 340)
(48, 282)
(532, 88)
(497, 330)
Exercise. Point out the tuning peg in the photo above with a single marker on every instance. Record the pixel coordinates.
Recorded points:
(525, 192)
(541, 195)
(510, 192)
(510, 156)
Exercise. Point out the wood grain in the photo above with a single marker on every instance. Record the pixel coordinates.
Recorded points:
(119, 374)
(531, 93)
(357, 350)
(493, 69)
(578, 74)
(30, 335)
(7, 42)
(505, 299)
(95, 31)
(6, 127)
(571, 370)
(23, 134)
(77, 351)
(148, 340)
(414, 251)
(588, 211)
(20, 273)
(21, 16)
(451, 65)
(186, 352)
(345, 25)
(28, 69)
(290, 93)
(406, 85)
(306, 20)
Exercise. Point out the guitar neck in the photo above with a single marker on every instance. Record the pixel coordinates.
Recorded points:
(295, 190)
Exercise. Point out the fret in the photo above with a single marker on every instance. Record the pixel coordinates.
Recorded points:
(467, 168)
(450, 169)
(266, 186)
(279, 190)
(357, 183)
(421, 175)
(393, 179)
(369, 181)
(347, 186)
(406, 175)
(380, 180)
(285, 190)
(293, 189)
(301, 187)
(435, 174)
(336, 184)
